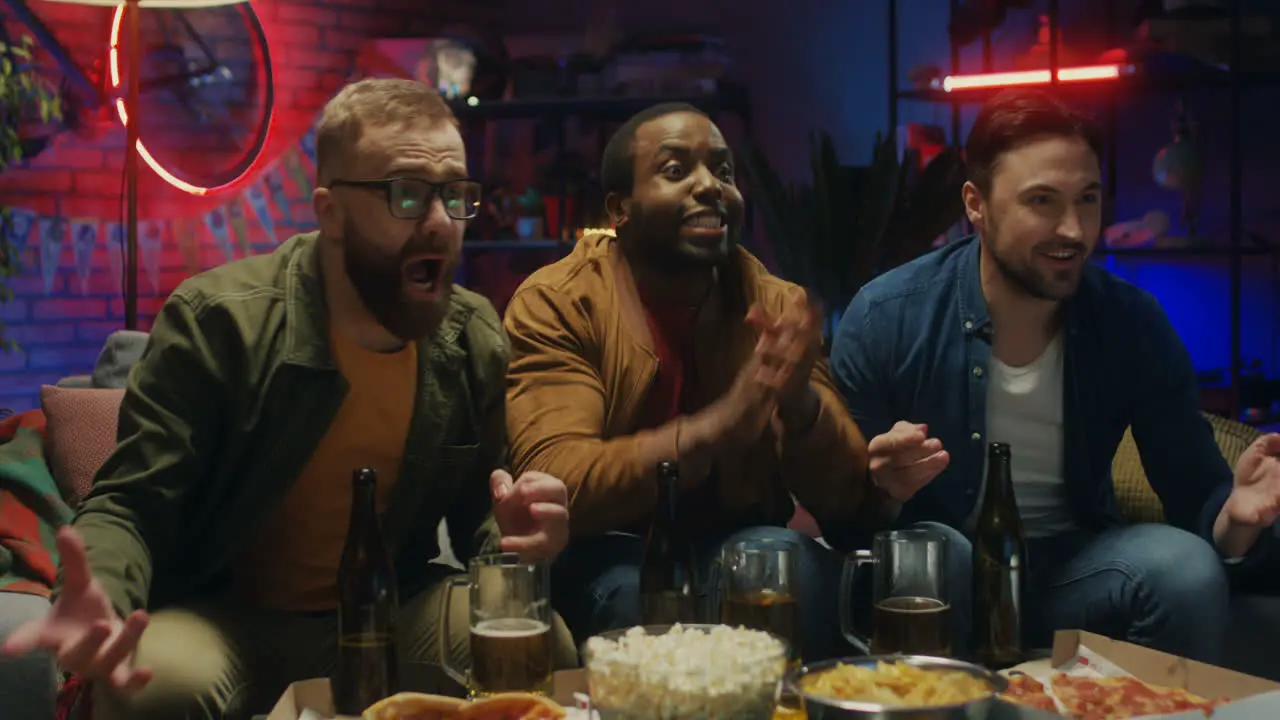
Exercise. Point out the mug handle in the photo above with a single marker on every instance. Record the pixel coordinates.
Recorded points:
(458, 676)
(848, 582)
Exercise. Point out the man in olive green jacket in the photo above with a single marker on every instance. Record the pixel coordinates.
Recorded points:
(265, 384)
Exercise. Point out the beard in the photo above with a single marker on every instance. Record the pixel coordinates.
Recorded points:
(1026, 278)
(378, 279)
(658, 239)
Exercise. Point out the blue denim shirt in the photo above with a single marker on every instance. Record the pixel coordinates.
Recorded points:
(915, 345)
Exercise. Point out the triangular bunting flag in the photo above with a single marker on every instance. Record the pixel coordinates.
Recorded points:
(275, 186)
(184, 232)
(297, 173)
(150, 242)
(235, 219)
(115, 254)
(216, 221)
(52, 231)
(84, 240)
(262, 210)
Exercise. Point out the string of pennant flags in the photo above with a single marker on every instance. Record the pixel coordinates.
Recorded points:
(255, 211)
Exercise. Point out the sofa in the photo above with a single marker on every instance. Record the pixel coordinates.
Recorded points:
(81, 413)
(1254, 632)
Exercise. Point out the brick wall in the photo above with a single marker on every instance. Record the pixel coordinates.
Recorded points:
(313, 44)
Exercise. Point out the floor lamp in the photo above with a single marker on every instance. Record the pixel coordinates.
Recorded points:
(133, 70)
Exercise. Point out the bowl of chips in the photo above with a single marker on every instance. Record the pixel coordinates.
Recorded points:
(895, 687)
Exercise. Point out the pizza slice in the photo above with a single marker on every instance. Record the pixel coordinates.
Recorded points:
(512, 706)
(414, 706)
(504, 706)
(1029, 692)
(1121, 698)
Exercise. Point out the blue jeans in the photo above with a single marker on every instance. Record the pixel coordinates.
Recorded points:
(595, 585)
(28, 684)
(1151, 584)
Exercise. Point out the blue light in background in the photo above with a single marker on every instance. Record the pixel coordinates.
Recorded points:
(1195, 293)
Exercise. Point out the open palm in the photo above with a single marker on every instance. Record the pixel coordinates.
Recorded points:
(82, 630)
(1255, 498)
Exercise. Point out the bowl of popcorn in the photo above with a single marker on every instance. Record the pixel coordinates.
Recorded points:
(684, 672)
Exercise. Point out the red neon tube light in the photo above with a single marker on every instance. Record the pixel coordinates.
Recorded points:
(123, 111)
(1085, 73)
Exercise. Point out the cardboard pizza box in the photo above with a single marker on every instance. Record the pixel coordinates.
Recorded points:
(1079, 652)
(312, 700)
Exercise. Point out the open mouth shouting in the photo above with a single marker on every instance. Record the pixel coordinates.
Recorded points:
(424, 276)
(707, 224)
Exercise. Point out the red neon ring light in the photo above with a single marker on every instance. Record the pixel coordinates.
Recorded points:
(123, 112)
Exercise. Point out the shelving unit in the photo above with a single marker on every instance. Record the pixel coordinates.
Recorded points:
(1235, 81)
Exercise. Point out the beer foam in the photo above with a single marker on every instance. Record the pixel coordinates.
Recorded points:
(510, 628)
(686, 673)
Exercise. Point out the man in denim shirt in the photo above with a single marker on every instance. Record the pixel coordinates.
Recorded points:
(1014, 337)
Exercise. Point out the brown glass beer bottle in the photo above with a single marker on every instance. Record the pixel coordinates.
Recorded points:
(999, 567)
(367, 669)
(668, 580)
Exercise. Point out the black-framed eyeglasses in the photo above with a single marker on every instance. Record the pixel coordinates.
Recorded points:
(410, 198)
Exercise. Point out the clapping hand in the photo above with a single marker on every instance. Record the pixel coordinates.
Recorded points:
(82, 630)
(905, 459)
(532, 513)
(788, 349)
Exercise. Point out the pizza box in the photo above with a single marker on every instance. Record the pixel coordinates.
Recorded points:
(311, 699)
(1083, 653)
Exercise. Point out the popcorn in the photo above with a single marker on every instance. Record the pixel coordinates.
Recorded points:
(685, 674)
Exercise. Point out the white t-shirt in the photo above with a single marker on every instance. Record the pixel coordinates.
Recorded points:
(1024, 409)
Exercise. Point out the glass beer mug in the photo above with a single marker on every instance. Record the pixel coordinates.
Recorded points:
(509, 625)
(760, 588)
(910, 612)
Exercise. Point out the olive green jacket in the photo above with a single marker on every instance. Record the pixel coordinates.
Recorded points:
(236, 388)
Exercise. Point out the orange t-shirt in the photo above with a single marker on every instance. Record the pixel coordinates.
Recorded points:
(292, 563)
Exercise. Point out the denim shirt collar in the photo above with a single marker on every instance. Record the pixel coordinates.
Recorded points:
(973, 304)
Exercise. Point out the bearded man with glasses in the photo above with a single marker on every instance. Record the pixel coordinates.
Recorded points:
(265, 384)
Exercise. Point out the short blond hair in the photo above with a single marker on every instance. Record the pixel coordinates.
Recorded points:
(375, 102)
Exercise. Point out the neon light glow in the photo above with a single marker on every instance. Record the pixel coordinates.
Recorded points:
(123, 111)
(1085, 73)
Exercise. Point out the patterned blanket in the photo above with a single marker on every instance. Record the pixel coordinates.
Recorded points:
(31, 508)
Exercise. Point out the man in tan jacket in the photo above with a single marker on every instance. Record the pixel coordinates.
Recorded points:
(667, 341)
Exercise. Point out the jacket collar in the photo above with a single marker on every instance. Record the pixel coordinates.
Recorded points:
(307, 341)
(736, 286)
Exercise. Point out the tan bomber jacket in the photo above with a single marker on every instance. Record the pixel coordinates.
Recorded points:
(582, 363)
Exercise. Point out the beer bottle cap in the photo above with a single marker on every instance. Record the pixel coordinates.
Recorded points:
(998, 449)
(365, 476)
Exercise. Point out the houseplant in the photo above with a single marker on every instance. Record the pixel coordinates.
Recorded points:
(848, 224)
(25, 98)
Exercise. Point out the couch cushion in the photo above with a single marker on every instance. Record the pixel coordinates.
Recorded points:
(80, 434)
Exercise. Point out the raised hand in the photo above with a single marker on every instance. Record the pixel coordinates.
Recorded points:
(789, 347)
(905, 459)
(82, 630)
(532, 513)
(1255, 495)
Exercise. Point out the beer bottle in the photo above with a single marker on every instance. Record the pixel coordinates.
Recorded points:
(668, 583)
(999, 567)
(367, 669)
